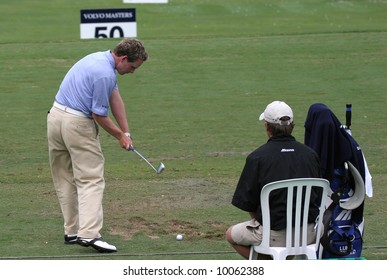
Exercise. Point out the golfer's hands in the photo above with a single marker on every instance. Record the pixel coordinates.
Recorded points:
(126, 141)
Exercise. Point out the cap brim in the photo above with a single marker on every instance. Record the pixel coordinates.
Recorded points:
(262, 117)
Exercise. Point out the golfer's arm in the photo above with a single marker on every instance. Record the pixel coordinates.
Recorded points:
(118, 110)
(107, 124)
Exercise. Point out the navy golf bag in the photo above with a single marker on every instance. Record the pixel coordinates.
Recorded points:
(344, 166)
(343, 219)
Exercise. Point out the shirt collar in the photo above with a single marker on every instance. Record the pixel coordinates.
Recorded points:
(110, 57)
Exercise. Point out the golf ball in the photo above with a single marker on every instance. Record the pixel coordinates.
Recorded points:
(179, 237)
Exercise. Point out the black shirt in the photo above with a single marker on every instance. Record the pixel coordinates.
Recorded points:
(280, 158)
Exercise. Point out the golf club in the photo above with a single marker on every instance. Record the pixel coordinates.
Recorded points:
(158, 170)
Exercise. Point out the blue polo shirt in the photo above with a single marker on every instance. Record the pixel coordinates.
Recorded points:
(89, 83)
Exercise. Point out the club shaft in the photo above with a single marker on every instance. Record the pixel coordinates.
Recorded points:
(144, 159)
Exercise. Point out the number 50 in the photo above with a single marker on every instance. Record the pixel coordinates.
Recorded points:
(100, 32)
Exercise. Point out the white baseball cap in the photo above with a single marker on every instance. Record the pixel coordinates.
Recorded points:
(275, 111)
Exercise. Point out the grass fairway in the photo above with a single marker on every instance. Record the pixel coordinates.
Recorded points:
(213, 67)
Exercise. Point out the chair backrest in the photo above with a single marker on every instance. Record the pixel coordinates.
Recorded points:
(297, 228)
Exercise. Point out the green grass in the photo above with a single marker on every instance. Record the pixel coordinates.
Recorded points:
(213, 67)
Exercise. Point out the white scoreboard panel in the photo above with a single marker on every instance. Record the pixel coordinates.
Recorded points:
(108, 23)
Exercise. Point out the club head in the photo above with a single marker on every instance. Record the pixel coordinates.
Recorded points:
(161, 168)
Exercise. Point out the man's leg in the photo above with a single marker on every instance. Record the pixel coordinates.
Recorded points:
(62, 173)
(243, 235)
(82, 139)
(242, 250)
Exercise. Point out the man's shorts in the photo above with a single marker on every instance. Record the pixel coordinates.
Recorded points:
(250, 233)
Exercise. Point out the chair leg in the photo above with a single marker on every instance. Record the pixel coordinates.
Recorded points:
(311, 255)
(253, 255)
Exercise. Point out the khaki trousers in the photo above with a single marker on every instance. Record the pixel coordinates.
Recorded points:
(77, 168)
(250, 233)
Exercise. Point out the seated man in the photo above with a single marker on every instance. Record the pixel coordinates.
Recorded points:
(282, 157)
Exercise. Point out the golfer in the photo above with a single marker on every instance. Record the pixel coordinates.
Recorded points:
(81, 106)
(282, 157)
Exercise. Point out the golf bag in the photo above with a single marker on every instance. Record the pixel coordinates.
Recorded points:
(343, 165)
(343, 233)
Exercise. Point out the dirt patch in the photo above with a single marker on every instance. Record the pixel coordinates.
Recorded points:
(139, 225)
(136, 225)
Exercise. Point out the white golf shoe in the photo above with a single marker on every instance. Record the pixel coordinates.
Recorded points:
(97, 243)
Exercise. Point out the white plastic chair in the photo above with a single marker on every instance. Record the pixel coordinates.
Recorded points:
(296, 237)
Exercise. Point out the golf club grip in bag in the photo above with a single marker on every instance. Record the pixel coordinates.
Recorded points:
(348, 116)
